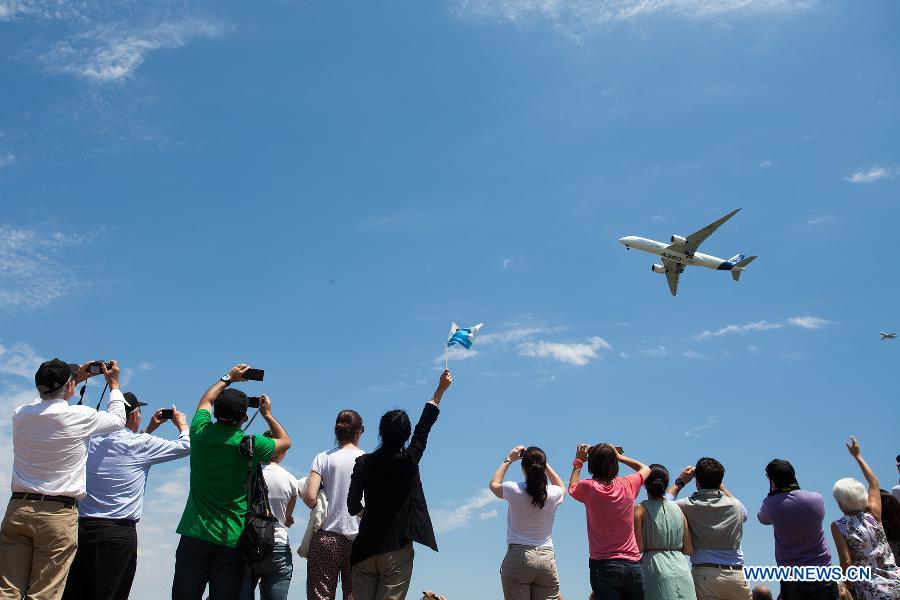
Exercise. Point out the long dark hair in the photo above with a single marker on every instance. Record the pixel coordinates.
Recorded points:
(657, 481)
(346, 426)
(534, 463)
(890, 516)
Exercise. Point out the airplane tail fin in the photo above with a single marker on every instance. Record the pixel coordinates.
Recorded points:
(739, 266)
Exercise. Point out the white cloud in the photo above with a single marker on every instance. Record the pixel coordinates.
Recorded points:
(656, 351)
(729, 329)
(694, 432)
(873, 173)
(692, 355)
(805, 322)
(809, 322)
(113, 53)
(573, 353)
(509, 336)
(11, 397)
(456, 354)
(34, 268)
(585, 13)
(20, 359)
(449, 518)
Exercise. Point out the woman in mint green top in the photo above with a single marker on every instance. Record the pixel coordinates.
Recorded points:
(662, 535)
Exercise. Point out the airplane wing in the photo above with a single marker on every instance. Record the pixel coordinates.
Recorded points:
(695, 239)
(673, 273)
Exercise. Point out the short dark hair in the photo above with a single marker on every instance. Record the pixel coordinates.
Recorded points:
(602, 462)
(394, 428)
(709, 473)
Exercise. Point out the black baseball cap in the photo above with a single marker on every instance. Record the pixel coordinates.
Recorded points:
(54, 374)
(781, 472)
(131, 403)
(231, 405)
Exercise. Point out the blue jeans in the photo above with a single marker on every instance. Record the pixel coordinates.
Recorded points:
(617, 580)
(273, 574)
(198, 562)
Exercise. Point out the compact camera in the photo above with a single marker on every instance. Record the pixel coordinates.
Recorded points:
(94, 367)
(253, 401)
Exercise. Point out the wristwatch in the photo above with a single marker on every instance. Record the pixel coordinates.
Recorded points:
(679, 482)
(226, 379)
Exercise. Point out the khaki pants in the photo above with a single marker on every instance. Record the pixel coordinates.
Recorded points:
(713, 583)
(384, 576)
(37, 545)
(529, 573)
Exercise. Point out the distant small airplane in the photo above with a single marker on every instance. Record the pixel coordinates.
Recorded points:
(887, 336)
(683, 251)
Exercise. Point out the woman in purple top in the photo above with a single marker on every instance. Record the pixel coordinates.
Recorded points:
(859, 536)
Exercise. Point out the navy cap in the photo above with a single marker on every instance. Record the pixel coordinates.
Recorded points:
(231, 405)
(131, 403)
(54, 374)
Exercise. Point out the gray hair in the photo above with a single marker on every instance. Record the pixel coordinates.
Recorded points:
(58, 394)
(850, 495)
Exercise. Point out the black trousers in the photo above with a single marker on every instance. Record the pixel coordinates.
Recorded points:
(809, 590)
(198, 563)
(105, 562)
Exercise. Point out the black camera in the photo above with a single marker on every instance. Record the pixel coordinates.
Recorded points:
(254, 374)
(253, 401)
(166, 414)
(94, 367)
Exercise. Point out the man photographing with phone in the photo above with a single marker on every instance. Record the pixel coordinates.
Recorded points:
(216, 507)
(117, 468)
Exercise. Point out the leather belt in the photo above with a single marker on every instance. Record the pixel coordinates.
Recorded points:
(723, 567)
(123, 522)
(67, 501)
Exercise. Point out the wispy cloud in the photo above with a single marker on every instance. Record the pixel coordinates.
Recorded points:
(695, 432)
(33, 268)
(743, 328)
(656, 351)
(809, 322)
(804, 322)
(692, 355)
(586, 13)
(573, 353)
(112, 53)
(448, 518)
(6, 159)
(511, 335)
(873, 173)
(20, 359)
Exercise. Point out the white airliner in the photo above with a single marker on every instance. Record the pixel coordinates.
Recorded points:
(887, 336)
(683, 252)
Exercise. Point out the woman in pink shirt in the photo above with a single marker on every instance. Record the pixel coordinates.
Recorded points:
(615, 561)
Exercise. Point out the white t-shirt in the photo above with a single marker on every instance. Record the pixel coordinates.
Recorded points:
(526, 524)
(335, 467)
(282, 487)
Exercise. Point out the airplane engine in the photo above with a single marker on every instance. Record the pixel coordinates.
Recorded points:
(658, 269)
(677, 239)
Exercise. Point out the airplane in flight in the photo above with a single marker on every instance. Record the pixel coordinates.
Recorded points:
(887, 336)
(682, 252)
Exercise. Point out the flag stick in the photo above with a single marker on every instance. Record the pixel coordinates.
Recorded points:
(446, 357)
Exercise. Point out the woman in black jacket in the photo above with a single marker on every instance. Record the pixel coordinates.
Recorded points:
(395, 512)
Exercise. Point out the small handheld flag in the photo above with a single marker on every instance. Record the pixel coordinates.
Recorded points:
(460, 336)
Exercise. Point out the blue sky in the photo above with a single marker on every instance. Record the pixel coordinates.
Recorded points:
(319, 190)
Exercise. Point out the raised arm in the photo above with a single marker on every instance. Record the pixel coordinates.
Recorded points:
(640, 467)
(496, 483)
(581, 455)
(113, 418)
(686, 476)
(873, 506)
(158, 450)
(235, 374)
(429, 416)
(279, 435)
(555, 479)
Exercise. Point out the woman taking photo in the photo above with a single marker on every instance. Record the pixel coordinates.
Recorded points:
(528, 571)
(663, 538)
(329, 549)
(615, 561)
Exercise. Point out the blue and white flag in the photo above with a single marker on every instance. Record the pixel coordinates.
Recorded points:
(463, 336)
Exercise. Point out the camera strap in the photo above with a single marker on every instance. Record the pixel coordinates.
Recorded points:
(101, 396)
(250, 422)
(81, 393)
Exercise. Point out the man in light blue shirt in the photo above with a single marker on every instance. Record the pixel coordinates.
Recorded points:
(117, 469)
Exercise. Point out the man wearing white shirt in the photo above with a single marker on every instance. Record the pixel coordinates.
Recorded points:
(39, 533)
(117, 469)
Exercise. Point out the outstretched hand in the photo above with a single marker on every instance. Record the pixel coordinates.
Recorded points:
(853, 447)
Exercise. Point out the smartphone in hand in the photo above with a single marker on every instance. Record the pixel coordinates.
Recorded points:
(254, 374)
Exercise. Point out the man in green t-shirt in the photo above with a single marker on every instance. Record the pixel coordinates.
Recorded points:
(213, 517)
